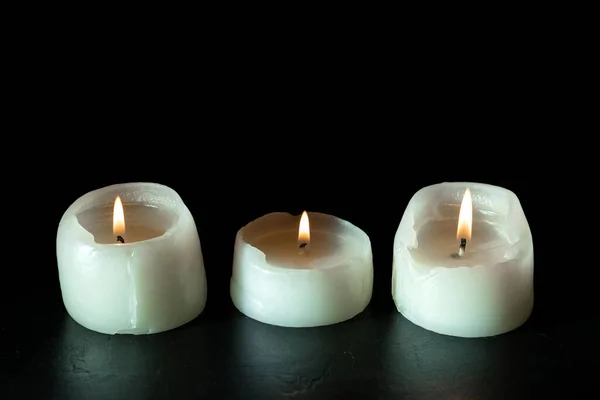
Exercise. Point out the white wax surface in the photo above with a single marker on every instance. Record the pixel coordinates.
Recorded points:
(486, 292)
(331, 281)
(153, 282)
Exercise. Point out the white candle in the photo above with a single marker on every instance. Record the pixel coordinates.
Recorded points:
(486, 291)
(130, 261)
(301, 272)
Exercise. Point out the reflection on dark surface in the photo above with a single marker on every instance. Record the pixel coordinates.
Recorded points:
(224, 355)
(162, 366)
(334, 360)
(426, 365)
(85, 359)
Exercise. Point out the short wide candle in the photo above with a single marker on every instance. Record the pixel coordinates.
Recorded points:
(130, 261)
(301, 272)
(463, 260)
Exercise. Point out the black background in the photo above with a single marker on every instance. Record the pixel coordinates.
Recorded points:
(243, 139)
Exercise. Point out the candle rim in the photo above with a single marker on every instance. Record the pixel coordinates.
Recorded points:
(358, 233)
(316, 218)
(86, 202)
(515, 225)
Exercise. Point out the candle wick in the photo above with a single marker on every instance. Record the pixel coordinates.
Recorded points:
(120, 239)
(302, 248)
(462, 247)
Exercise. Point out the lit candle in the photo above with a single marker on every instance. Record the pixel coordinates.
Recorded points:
(463, 260)
(130, 261)
(301, 272)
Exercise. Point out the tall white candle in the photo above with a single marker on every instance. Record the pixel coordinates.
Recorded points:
(301, 272)
(483, 289)
(130, 261)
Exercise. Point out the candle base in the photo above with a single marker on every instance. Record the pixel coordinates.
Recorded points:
(152, 281)
(485, 292)
(489, 326)
(273, 284)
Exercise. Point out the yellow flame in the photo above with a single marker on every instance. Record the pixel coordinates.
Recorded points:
(465, 217)
(118, 218)
(304, 229)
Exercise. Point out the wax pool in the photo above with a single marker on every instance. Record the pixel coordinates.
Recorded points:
(273, 282)
(487, 291)
(144, 222)
(153, 282)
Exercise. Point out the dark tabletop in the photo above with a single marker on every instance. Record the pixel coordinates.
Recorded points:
(225, 355)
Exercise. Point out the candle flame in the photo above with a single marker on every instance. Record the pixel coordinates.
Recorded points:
(465, 217)
(304, 230)
(118, 218)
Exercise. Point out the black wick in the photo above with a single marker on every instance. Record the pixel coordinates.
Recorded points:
(462, 247)
(120, 239)
(303, 245)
